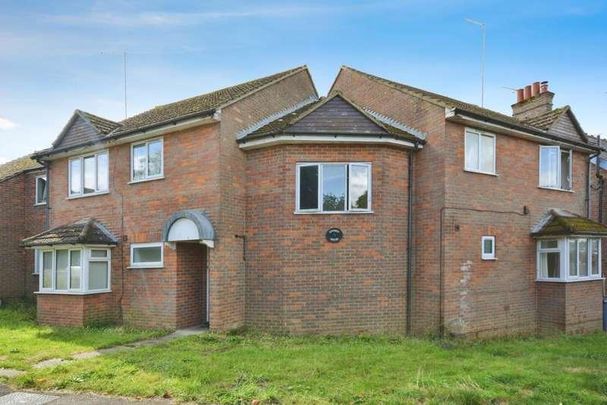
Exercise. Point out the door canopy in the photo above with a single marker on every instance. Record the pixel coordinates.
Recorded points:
(189, 225)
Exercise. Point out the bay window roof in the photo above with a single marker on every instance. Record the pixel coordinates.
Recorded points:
(87, 231)
(559, 222)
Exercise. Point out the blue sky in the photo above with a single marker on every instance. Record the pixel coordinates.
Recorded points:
(61, 55)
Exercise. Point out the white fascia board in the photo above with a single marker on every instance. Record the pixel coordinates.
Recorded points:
(451, 115)
(326, 139)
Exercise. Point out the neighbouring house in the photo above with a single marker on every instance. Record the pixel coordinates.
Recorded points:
(380, 208)
(23, 196)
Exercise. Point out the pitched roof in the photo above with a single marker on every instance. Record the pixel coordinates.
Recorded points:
(546, 120)
(86, 231)
(333, 115)
(559, 222)
(449, 102)
(200, 104)
(103, 125)
(16, 166)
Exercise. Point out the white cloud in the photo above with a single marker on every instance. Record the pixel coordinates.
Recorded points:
(151, 19)
(5, 123)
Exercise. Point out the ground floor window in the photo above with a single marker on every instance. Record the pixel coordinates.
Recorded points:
(568, 259)
(146, 255)
(74, 269)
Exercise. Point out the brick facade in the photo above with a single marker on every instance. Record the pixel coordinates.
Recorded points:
(19, 218)
(272, 268)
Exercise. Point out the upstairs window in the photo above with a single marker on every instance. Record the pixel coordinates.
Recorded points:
(89, 174)
(569, 259)
(333, 187)
(480, 151)
(147, 160)
(41, 193)
(488, 248)
(555, 168)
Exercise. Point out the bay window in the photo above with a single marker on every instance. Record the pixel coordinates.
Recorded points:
(147, 160)
(555, 168)
(74, 269)
(333, 187)
(89, 174)
(568, 259)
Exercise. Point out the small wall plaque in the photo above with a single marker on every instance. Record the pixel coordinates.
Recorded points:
(334, 235)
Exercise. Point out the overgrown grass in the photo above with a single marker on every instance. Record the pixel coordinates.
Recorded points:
(233, 369)
(24, 343)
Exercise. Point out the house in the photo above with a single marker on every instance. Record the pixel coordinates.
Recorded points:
(380, 208)
(22, 213)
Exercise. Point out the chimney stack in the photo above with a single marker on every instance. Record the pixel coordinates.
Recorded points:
(532, 101)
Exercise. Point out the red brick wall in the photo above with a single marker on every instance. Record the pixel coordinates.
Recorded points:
(480, 298)
(429, 184)
(570, 307)
(497, 297)
(297, 281)
(76, 310)
(227, 269)
(19, 218)
(204, 169)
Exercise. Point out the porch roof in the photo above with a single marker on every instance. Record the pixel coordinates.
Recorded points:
(87, 231)
(559, 222)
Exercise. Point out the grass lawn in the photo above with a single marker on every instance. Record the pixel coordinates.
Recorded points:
(23, 343)
(231, 369)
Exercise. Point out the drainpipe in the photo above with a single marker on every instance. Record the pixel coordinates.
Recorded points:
(410, 238)
(596, 155)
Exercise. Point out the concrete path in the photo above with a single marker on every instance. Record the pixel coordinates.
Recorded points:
(36, 398)
(9, 397)
(142, 343)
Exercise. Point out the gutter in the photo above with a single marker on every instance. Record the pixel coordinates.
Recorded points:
(131, 136)
(456, 114)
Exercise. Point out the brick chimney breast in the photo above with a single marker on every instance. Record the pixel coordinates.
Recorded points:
(537, 101)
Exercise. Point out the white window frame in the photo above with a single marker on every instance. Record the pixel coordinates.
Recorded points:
(147, 265)
(479, 134)
(43, 202)
(348, 199)
(85, 259)
(558, 168)
(491, 255)
(37, 261)
(563, 250)
(147, 177)
(81, 159)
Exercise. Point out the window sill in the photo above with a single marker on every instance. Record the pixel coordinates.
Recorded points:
(146, 180)
(555, 189)
(489, 259)
(159, 267)
(72, 292)
(579, 280)
(39, 204)
(75, 197)
(332, 212)
(481, 172)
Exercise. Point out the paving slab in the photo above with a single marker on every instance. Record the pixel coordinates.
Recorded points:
(50, 363)
(26, 398)
(91, 399)
(10, 372)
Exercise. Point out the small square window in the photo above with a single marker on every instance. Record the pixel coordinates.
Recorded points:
(488, 247)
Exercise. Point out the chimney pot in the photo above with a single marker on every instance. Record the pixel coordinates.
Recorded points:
(520, 96)
(535, 89)
(527, 92)
(543, 87)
